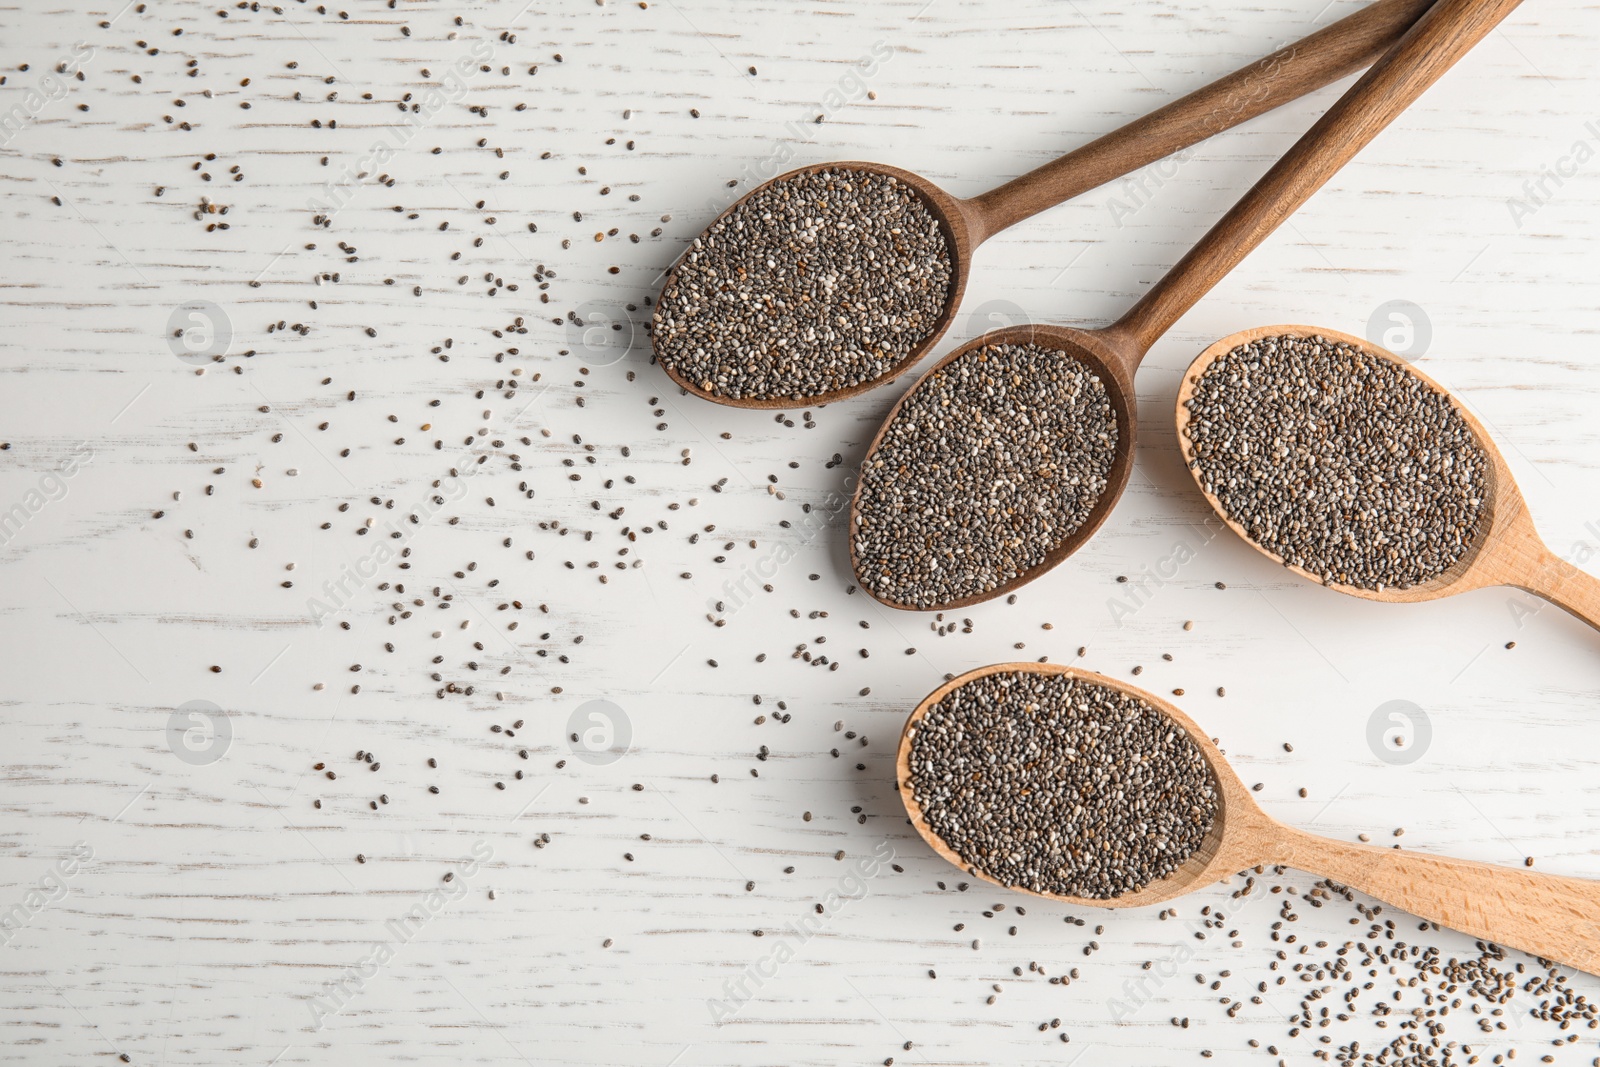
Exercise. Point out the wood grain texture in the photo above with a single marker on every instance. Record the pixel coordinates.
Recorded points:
(219, 903)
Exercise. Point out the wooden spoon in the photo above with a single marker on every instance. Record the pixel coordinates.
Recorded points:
(1507, 550)
(1289, 73)
(1540, 914)
(1438, 39)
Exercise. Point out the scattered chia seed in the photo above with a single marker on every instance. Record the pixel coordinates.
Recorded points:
(887, 272)
(818, 283)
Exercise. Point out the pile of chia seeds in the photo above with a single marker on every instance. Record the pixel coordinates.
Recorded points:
(1338, 461)
(809, 286)
(991, 463)
(1058, 785)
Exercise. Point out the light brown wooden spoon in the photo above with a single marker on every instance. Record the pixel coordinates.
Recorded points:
(1291, 72)
(1438, 39)
(1507, 550)
(1540, 914)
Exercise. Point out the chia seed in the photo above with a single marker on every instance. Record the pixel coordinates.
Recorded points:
(1337, 461)
(990, 464)
(818, 283)
(1057, 784)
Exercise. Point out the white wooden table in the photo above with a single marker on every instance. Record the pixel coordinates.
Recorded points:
(209, 913)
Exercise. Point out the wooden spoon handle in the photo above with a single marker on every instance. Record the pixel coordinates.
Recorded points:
(1440, 37)
(1291, 72)
(1556, 918)
(1573, 590)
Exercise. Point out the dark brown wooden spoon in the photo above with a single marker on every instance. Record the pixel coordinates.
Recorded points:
(1113, 353)
(1324, 57)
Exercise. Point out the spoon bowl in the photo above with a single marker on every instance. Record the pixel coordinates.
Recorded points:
(1110, 355)
(959, 223)
(1505, 548)
(1543, 915)
(1222, 853)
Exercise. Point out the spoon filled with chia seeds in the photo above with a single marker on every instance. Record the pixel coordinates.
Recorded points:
(828, 280)
(1351, 467)
(1072, 786)
(1008, 455)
